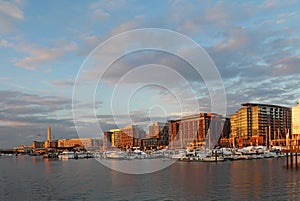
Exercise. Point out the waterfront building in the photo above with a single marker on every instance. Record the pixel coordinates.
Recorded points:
(125, 138)
(134, 131)
(174, 127)
(149, 143)
(75, 142)
(258, 124)
(225, 136)
(160, 131)
(155, 128)
(97, 142)
(296, 120)
(107, 140)
(131, 135)
(53, 144)
(127, 141)
(117, 138)
(37, 145)
(194, 129)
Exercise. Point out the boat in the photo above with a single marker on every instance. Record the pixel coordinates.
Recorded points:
(50, 155)
(270, 154)
(138, 154)
(180, 154)
(66, 155)
(240, 156)
(115, 155)
(80, 155)
(213, 159)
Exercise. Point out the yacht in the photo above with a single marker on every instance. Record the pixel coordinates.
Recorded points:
(80, 155)
(66, 155)
(116, 155)
(213, 159)
(180, 154)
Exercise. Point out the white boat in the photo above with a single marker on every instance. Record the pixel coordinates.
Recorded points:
(97, 154)
(66, 155)
(213, 159)
(80, 155)
(240, 156)
(181, 154)
(115, 155)
(138, 154)
(271, 154)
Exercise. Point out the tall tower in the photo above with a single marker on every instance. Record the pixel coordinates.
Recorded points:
(49, 134)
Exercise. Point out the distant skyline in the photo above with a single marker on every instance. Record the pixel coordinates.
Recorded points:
(254, 44)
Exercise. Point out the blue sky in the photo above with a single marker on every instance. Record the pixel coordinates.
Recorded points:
(43, 44)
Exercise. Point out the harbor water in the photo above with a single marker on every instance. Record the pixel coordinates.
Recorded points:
(36, 178)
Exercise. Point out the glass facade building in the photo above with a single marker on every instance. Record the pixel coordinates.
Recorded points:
(260, 122)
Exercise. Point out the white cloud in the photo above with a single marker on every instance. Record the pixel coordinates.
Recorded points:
(109, 5)
(12, 9)
(280, 21)
(101, 14)
(270, 3)
(236, 38)
(10, 13)
(40, 55)
(5, 43)
(101, 10)
(62, 83)
(90, 39)
(127, 26)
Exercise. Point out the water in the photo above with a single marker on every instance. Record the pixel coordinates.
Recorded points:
(35, 178)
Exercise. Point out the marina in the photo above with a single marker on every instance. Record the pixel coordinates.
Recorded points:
(185, 155)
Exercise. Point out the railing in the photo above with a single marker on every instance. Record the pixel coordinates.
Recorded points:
(292, 146)
(291, 149)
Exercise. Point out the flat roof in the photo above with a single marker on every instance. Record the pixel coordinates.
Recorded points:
(262, 104)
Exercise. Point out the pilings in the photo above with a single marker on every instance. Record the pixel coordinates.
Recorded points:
(290, 159)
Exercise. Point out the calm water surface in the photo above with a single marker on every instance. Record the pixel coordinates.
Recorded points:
(35, 178)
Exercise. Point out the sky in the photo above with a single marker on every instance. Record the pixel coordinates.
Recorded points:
(49, 49)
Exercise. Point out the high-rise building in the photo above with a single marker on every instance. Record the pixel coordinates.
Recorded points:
(296, 120)
(257, 123)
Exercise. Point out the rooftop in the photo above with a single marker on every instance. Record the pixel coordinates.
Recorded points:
(261, 104)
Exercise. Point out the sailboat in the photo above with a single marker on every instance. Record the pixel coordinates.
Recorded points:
(211, 155)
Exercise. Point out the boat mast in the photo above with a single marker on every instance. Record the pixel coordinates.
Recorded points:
(209, 139)
(269, 137)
